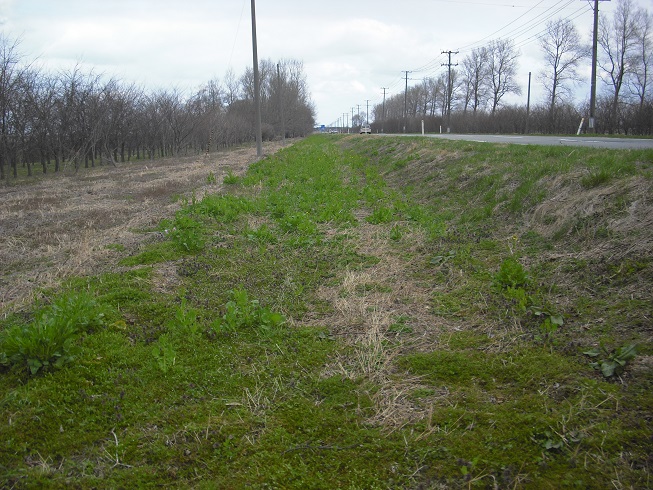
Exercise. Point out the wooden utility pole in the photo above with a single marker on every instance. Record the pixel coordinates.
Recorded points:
(406, 101)
(591, 122)
(283, 123)
(528, 103)
(449, 88)
(257, 86)
(383, 111)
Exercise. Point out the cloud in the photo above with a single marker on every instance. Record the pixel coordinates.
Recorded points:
(5, 10)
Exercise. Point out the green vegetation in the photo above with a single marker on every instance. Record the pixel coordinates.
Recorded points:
(355, 313)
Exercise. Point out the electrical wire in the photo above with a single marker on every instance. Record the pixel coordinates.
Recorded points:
(434, 66)
(233, 48)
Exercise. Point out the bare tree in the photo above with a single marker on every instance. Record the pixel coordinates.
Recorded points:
(41, 102)
(475, 79)
(563, 53)
(618, 41)
(502, 68)
(10, 78)
(642, 61)
(232, 87)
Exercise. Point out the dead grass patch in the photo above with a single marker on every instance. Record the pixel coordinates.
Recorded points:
(365, 304)
(57, 226)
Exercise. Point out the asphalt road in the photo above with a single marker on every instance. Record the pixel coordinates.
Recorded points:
(589, 141)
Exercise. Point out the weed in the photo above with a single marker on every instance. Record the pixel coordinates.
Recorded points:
(222, 208)
(550, 323)
(164, 353)
(400, 325)
(511, 274)
(440, 260)
(381, 215)
(595, 178)
(395, 233)
(231, 178)
(262, 234)
(49, 341)
(118, 247)
(186, 233)
(241, 312)
(612, 362)
(211, 179)
(186, 322)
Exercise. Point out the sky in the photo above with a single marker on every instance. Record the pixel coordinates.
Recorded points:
(351, 49)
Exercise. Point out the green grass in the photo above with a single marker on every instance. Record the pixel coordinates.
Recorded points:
(429, 369)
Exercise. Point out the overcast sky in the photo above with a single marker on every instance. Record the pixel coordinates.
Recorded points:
(350, 49)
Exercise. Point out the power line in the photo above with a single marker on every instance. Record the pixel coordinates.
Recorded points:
(437, 60)
(578, 13)
(233, 48)
(433, 66)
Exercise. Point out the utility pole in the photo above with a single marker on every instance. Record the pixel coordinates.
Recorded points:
(257, 86)
(449, 88)
(283, 123)
(359, 114)
(591, 127)
(345, 121)
(352, 117)
(406, 101)
(528, 102)
(367, 114)
(383, 111)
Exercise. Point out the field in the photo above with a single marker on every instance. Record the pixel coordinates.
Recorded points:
(348, 312)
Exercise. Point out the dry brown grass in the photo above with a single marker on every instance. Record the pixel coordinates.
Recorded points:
(365, 305)
(58, 226)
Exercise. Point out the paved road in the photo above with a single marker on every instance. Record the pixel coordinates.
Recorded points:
(590, 141)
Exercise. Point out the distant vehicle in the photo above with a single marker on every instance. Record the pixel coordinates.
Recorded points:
(333, 131)
(365, 129)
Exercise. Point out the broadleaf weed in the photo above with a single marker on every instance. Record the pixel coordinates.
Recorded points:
(164, 353)
(50, 340)
(241, 312)
(612, 362)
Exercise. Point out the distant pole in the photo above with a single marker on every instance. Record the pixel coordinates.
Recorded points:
(406, 101)
(352, 117)
(283, 122)
(528, 102)
(383, 111)
(449, 89)
(367, 114)
(257, 86)
(359, 114)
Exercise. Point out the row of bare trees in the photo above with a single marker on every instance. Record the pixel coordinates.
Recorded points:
(475, 92)
(80, 118)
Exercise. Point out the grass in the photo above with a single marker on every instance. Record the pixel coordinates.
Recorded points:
(357, 314)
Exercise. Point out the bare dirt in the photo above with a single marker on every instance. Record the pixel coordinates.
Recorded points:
(56, 226)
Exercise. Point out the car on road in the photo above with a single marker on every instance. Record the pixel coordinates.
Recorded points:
(365, 129)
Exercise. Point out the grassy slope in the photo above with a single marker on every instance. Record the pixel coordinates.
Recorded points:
(406, 360)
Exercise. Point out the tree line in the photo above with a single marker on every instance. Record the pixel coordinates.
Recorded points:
(471, 99)
(79, 118)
